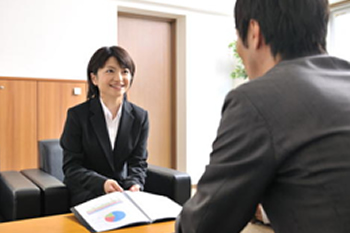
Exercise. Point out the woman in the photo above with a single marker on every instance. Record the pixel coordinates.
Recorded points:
(105, 138)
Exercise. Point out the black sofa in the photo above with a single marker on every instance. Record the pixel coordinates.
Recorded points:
(54, 195)
(19, 197)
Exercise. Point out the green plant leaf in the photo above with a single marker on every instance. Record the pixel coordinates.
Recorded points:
(239, 71)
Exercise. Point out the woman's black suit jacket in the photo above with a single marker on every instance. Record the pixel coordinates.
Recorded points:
(89, 160)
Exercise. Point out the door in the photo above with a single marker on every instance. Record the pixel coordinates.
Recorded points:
(150, 42)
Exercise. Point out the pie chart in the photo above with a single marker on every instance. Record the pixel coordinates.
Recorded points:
(115, 216)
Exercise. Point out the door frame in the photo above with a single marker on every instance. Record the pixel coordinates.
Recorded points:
(180, 79)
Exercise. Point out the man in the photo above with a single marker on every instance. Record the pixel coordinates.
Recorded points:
(284, 137)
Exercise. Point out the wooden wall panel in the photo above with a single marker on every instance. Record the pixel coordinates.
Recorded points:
(54, 99)
(18, 128)
(32, 110)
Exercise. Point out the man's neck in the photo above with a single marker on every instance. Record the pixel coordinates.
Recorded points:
(266, 63)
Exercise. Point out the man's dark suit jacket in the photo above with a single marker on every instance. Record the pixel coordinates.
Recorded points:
(89, 160)
(283, 141)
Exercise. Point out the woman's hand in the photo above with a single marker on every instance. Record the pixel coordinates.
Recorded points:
(111, 186)
(134, 188)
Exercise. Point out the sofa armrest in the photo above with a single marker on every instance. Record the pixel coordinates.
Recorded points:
(19, 197)
(168, 182)
(54, 194)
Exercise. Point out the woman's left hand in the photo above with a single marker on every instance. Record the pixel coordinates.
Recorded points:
(134, 188)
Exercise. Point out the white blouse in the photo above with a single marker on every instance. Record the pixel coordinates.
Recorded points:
(112, 124)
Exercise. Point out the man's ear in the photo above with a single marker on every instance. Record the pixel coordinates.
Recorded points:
(257, 40)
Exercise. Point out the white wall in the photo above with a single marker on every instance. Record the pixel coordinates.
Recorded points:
(55, 39)
(52, 39)
(209, 66)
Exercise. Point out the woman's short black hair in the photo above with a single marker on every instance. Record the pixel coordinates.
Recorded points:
(293, 28)
(98, 60)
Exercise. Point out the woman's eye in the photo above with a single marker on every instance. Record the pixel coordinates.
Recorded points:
(126, 71)
(110, 71)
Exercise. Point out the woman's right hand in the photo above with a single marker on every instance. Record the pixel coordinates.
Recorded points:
(111, 186)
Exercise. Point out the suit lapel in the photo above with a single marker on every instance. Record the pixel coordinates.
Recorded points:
(98, 123)
(124, 130)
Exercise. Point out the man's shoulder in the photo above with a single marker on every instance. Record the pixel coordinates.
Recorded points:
(276, 82)
(285, 73)
(293, 79)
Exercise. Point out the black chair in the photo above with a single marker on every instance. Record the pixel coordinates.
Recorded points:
(19, 197)
(168, 182)
(55, 199)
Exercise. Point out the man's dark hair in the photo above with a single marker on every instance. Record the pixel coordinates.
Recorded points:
(293, 28)
(98, 61)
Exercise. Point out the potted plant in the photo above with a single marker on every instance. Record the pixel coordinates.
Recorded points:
(239, 71)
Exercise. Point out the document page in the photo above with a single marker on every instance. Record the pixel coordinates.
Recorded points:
(157, 207)
(110, 211)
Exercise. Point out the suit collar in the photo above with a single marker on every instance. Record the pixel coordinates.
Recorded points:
(98, 123)
(125, 129)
